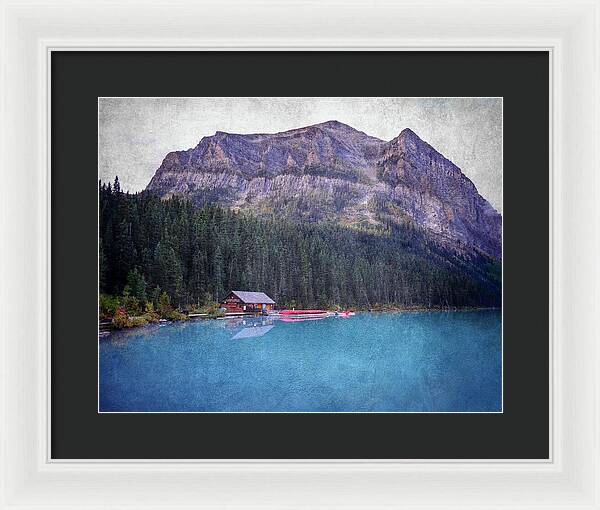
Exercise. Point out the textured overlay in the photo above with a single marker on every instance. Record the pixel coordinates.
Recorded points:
(136, 133)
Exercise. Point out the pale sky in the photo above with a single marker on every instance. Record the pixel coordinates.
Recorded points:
(135, 134)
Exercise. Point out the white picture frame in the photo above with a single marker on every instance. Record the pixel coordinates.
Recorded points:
(568, 29)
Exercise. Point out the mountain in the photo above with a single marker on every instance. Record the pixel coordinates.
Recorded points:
(333, 173)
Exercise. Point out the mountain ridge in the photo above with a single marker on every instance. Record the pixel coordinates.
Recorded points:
(333, 172)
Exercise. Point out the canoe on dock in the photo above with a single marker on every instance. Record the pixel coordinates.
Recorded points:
(305, 313)
(302, 318)
(301, 312)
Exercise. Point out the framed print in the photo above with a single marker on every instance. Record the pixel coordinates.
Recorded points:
(364, 257)
(247, 257)
(305, 272)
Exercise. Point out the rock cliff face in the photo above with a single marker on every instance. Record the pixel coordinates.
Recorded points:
(332, 172)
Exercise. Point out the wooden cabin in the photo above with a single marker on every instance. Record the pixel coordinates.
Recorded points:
(243, 301)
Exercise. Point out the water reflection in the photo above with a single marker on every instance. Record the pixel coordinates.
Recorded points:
(301, 319)
(253, 332)
(259, 326)
(236, 328)
(251, 326)
(121, 337)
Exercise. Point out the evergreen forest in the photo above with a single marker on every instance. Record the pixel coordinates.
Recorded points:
(172, 255)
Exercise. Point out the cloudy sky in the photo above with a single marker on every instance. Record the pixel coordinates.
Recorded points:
(135, 134)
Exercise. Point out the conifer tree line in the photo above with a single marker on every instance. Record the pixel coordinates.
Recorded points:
(194, 255)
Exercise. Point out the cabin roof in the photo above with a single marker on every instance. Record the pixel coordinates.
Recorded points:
(253, 297)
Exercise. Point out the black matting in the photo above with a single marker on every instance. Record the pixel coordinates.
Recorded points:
(79, 432)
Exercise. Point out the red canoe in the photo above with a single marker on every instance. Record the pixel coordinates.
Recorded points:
(300, 312)
(301, 319)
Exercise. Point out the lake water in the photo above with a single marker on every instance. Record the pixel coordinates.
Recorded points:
(409, 361)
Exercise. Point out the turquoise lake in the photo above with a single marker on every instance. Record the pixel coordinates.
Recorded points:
(370, 362)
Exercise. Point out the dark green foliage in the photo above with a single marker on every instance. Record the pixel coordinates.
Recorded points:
(130, 303)
(137, 285)
(164, 304)
(108, 306)
(176, 255)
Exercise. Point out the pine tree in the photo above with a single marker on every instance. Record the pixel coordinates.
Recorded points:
(102, 267)
(137, 285)
(217, 274)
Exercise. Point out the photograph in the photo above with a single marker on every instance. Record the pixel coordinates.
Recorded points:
(300, 254)
(329, 255)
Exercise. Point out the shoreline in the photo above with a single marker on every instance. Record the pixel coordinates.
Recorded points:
(104, 327)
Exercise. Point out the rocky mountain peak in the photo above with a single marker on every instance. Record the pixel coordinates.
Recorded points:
(407, 140)
(334, 124)
(333, 172)
(408, 134)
